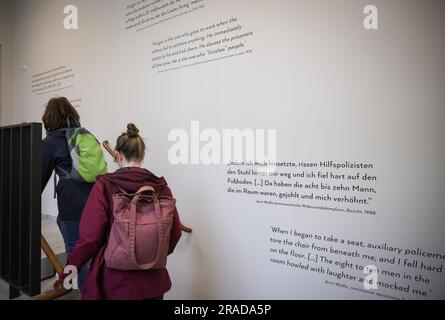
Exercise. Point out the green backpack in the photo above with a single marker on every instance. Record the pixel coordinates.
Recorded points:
(88, 160)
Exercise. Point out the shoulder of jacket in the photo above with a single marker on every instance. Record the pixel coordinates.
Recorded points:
(103, 181)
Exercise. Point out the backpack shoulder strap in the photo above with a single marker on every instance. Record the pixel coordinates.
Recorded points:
(109, 190)
(55, 183)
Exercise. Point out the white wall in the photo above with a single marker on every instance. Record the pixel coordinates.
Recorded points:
(333, 91)
(6, 42)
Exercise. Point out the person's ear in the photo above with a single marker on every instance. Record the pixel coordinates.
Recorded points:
(119, 157)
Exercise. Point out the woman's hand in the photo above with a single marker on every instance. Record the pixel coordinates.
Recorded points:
(58, 284)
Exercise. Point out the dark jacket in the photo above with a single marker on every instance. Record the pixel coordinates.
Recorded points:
(71, 195)
(95, 225)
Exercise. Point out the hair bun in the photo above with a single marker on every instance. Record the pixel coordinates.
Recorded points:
(132, 130)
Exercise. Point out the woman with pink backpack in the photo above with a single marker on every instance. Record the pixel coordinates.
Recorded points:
(129, 226)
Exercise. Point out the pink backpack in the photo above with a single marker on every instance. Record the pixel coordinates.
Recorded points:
(140, 233)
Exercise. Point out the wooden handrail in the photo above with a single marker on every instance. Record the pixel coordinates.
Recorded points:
(107, 147)
(186, 229)
(112, 153)
(50, 255)
(53, 294)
